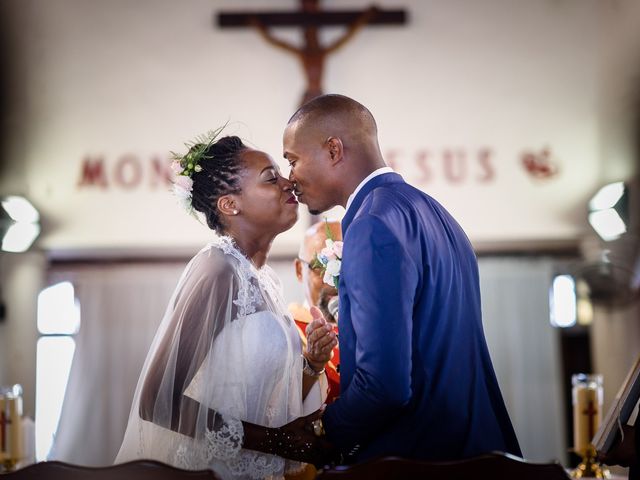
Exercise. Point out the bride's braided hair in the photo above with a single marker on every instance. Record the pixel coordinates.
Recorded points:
(219, 176)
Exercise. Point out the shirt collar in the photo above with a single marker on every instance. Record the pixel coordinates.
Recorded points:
(371, 176)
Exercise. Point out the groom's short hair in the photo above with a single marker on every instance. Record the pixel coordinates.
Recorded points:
(333, 106)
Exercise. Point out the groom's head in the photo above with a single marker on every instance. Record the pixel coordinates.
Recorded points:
(331, 144)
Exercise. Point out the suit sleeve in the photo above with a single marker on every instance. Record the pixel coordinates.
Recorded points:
(381, 281)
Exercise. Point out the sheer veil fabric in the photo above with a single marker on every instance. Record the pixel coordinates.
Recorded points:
(226, 351)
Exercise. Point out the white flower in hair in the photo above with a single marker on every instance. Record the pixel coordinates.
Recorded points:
(184, 166)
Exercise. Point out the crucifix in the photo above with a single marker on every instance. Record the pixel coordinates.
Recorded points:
(311, 54)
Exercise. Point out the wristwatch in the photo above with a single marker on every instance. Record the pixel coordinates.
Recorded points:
(308, 370)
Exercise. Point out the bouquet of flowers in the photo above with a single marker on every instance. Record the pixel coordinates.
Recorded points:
(329, 260)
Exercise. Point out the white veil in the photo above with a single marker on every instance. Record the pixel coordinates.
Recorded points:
(226, 351)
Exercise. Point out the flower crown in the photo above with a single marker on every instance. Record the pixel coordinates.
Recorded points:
(184, 166)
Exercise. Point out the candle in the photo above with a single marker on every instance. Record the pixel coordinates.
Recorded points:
(587, 407)
(10, 428)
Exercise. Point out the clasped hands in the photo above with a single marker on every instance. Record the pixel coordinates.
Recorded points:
(304, 436)
(321, 340)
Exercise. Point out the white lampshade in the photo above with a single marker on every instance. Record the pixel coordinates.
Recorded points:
(607, 197)
(20, 209)
(608, 224)
(608, 211)
(19, 225)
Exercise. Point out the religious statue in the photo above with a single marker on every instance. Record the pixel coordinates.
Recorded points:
(311, 18)
(312, 54)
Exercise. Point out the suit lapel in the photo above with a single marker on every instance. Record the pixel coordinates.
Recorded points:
(362, 194)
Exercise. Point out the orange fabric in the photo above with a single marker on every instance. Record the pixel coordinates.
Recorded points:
(309, 473)
(302, 318)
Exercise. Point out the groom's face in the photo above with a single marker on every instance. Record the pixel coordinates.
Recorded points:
(308, 158)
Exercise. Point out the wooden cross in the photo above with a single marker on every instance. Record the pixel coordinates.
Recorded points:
(311, 54)
(591, 412)
(4, 421)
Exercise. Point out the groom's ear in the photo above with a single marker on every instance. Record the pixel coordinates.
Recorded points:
(336, 149)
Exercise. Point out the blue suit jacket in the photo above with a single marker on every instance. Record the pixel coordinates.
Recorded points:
(416, 376)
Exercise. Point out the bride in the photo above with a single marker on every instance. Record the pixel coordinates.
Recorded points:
(226, 378)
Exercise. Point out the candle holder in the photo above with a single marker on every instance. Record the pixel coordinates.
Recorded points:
(589, 467)
(587, 394)
(10, 427)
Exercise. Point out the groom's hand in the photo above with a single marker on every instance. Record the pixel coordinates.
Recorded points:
(307, 445)
(321, 340)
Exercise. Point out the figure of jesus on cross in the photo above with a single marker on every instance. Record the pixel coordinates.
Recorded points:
(312, 53)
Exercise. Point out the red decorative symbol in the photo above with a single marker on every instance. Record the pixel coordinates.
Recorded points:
(539, 164)
(591, 412)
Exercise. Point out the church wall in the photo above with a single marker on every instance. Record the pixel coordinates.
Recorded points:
(619, 91)
(22, 278)
(464, 95)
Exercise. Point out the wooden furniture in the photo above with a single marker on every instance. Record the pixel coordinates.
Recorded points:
(494, 466)
(136, 470)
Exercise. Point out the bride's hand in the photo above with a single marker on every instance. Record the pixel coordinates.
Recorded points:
(321, 340)
(300, 439)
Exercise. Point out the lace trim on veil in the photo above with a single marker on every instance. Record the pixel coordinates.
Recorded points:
(256, 465)
(226, 442)
(249, 294)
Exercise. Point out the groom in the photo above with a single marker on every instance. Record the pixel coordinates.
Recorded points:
(416, 376)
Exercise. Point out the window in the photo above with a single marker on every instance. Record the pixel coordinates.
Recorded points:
(58, 322)
(563, 301)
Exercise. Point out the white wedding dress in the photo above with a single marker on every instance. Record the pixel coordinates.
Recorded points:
(226, 351)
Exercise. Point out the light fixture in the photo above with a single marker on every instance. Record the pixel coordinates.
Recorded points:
(584, 307)
(608, 211)
(562, 302)
(19, 224)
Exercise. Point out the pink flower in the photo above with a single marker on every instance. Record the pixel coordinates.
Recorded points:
(176, 167)
(337, 249)
(328, 253)
(184, 182)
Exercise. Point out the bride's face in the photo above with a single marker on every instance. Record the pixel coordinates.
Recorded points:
(266, 199)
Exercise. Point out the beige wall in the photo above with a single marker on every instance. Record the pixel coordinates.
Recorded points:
(22, 278)
(117, 79)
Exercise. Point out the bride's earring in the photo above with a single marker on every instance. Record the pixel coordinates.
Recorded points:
(235, 212)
